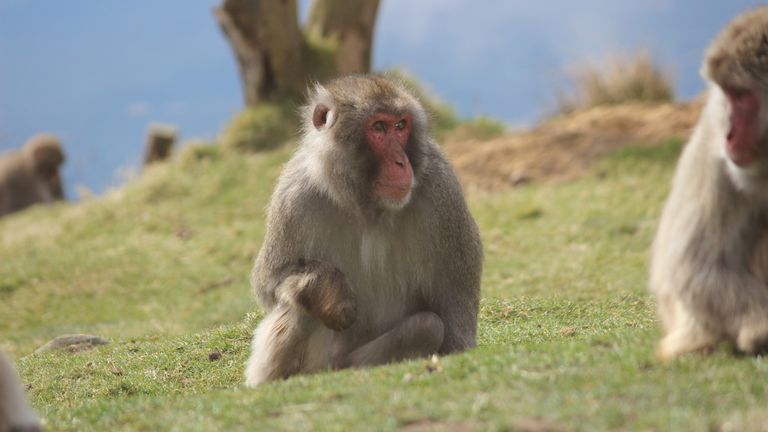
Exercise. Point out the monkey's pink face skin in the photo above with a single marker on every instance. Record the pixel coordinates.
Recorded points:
(387, 136)
(742, 142)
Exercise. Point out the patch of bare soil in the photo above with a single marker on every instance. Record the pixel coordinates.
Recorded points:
(565, 147)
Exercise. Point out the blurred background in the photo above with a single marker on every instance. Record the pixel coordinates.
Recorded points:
(96, 73)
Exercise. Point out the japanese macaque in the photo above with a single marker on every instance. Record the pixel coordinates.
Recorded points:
(710, 255)
(370, 255)
(31, 175)
(15, 413)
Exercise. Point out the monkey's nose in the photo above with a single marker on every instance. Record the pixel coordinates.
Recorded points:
(399, 163)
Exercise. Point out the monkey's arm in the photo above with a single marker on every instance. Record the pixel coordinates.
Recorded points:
(297, 294)
(458, 305)
(456, 294)
(317, 288)
(309, 292)
(460, 326)
(283, 274)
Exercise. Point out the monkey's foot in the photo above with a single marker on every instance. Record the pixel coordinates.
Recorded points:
(678, 343)
(753, 338)
(253, 377)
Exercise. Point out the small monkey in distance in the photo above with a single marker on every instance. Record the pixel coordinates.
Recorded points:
(31, 175)
(710, 255)
(370, 255)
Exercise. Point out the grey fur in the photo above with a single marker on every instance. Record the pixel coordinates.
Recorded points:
(15, 412)
(709, 256)
(409, 276)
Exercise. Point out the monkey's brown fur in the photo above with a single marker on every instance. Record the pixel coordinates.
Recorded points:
(710, 255)
(15, 413)
(345, 277)
(739, 55)
(31, 175)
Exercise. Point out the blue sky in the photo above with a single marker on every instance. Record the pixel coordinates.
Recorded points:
(97, 72)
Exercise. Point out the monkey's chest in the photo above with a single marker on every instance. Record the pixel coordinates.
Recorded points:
(387, 278)
(386, 270)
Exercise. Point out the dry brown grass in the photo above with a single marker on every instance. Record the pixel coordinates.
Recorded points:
(565, 147)
(621, 78)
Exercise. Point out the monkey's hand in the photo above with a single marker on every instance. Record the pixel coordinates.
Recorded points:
(324, 293)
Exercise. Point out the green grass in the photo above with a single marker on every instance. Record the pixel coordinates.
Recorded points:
(567, 329)
(259, 128)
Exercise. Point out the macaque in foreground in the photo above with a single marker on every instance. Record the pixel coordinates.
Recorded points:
(710, 257)
(15, 413)
(371, 255)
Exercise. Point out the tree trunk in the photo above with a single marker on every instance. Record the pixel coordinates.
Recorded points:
(268, 45)
(159, 145)
(350, 24)
(276, 59)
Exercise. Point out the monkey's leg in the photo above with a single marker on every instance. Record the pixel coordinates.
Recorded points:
(279, 345)
(738, 302)
(419, 335)
(292, 338)
(684, 333)
(753, 336)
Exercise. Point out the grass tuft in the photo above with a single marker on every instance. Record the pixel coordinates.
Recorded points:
(619, 79)
(260, 128)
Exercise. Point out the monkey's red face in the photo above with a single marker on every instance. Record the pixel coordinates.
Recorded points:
(743, 139)
(388, 135)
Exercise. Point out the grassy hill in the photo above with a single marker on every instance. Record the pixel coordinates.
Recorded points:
(160, 267)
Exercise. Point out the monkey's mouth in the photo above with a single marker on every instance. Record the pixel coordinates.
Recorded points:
(740, 154)
(393, 191)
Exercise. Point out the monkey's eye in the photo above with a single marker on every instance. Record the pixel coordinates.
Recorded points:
(379, 126)
(400, 125)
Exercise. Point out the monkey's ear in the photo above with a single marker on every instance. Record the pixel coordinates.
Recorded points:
(323, 117)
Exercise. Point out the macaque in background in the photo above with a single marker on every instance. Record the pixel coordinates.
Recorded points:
(31, 175)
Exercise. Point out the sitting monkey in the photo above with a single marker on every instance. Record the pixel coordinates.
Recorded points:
(31, 175)
(371, 255)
